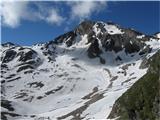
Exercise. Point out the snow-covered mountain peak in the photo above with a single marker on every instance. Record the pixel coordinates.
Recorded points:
(78, 75)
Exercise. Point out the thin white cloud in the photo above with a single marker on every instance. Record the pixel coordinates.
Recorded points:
(54, 18)
(84, 9)
(12, 13)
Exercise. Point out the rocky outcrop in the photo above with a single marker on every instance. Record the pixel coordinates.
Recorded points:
(127, 40)
(85, 27)
(9, 56)
(94, 50)
(142, 100)
(25, 58)
(67, 38)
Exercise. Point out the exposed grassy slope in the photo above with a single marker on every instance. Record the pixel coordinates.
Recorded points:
(142, 100)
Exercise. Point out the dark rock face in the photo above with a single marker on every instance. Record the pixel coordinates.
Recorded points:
(70, 37)
(127, 40)
(117, 42)
(5, 114)
(118, 58)
(25, 67)
(26, 58)
(142, 100)
(36, 84)
(7, 104)
(85, 27)
(110, 42)
(131, 48)
(113, 42)
(147, 49)
(4, 66)
(93, 50)
(67, 38)
(102, 61)
(9, 56)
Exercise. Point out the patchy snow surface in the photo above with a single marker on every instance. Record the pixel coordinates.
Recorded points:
(73, 85)
(110, 29)
(158, 35)
(140, 36)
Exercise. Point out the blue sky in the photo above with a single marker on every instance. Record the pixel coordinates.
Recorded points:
(27, 23)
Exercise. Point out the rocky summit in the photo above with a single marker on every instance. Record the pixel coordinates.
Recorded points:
(96, 71)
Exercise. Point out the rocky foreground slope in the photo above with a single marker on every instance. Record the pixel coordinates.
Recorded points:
(80, 75)
(142, 100)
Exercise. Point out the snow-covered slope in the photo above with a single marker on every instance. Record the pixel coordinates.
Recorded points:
(157, 35)
(79, 75)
